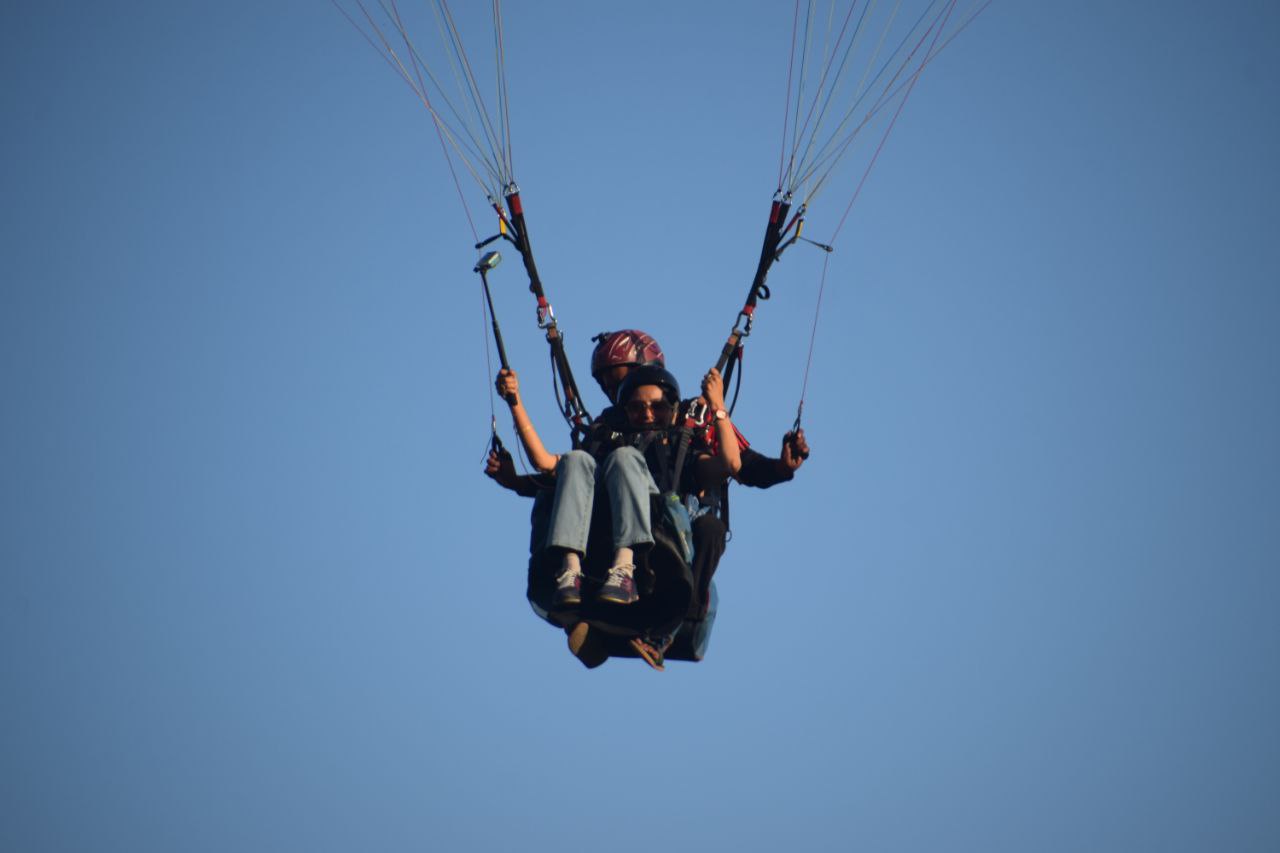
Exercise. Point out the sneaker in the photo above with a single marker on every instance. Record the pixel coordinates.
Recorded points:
(568, 589)
(620, 587)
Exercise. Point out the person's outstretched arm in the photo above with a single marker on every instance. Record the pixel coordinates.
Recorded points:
(508, 385)
(762, 471)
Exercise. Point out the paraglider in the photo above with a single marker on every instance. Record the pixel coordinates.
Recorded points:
(698, 523)
(612, 499)
(629, 524)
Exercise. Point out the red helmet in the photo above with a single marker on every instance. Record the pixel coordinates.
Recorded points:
(629, 346)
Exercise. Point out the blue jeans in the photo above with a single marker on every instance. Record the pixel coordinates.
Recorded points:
(626, 479)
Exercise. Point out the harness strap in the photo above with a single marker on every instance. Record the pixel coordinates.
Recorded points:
(694, 415)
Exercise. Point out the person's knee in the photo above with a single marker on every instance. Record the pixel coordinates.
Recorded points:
(626, 459)
(625, 456)
(577, 460)
(627, 465)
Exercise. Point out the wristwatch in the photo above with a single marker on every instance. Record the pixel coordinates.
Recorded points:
(721, 414)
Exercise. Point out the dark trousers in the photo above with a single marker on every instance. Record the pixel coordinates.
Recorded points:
(709, 534)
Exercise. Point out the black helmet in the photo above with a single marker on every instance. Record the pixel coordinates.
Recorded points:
(649, 374)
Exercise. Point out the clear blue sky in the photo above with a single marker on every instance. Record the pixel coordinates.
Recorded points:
(257, 596)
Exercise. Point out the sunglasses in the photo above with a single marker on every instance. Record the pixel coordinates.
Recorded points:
(660, 409)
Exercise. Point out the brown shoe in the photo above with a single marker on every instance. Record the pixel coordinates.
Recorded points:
(585, 646)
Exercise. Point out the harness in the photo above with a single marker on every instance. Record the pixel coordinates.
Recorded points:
(665, 450)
